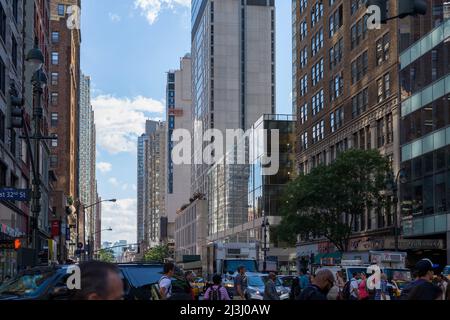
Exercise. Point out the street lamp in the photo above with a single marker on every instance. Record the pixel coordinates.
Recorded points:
(392, 185)
(265, 225)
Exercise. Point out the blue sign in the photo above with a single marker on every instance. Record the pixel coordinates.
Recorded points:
(13, 194)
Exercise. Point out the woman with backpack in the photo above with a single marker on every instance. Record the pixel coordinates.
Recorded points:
(216, 291)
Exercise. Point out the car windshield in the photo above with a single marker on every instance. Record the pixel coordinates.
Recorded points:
(287, 281)
(230, 266)
(26, 284)
(255, 281)
(277, 280)
(140, 276)
(402, 275)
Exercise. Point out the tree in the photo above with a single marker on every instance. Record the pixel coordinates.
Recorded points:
(157, 254)
(106, 255)
(326, 202)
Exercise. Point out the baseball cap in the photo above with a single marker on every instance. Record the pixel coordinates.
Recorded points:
(424, 265)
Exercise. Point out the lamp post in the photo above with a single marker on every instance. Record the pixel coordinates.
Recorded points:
(91, 234)
(265, 225)
(35, 58)
(392, 185)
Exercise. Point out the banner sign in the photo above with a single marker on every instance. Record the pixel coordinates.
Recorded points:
(12, 194)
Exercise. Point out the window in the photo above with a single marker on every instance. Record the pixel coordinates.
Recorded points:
(304, 113)
(383, 47)
(54, 78)
(304, 57)
(303, 5)
(390, 129)
(384, 87)
(14, 51)
(337, 119)
(54, 98)
(380, 133)
(317, 42)
(358, 32)
(304, 141)
(359, 67)
(53, 161)
(61, 10)
(13, 138)
(2, 76)
(360, 102)
(317, 72)
(303, 30)
(3, 170)
(55, 58)
(54, 140)
(335, 21)
(304, 85)
(55, 36)
(2, 126)
(317, 102)
(335, 53)
(336, 87)
(318, 131)
(316, 13)
(54, 119)
(2, 23)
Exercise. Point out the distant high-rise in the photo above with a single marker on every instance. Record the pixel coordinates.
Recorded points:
(178, 113)
(233, 68)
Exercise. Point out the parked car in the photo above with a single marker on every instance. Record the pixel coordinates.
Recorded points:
(286, 281)
(446, 272)
(256, 286)
(50, 283)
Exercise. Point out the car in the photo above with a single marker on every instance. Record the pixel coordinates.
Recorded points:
(198, 286)
(50, 283)
(286, 281)
(256, 285)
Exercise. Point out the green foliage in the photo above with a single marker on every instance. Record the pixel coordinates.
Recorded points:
(316, 204)
(106, 255)
(157, 254)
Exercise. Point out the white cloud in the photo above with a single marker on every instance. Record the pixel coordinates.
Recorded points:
(121, 217)
(114, 182)
(152, 8)
(125, 187)
(114, 17)
(104, 167)
(119, 121)
(134, 187)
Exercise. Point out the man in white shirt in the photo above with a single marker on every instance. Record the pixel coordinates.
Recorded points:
(165, 283)
(354, 287)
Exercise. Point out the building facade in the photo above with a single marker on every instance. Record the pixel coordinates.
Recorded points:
(178, 184)
(425, 131)
(346, 95)
(64, 82)
(140, 186)
(242, 196)
(233, 69)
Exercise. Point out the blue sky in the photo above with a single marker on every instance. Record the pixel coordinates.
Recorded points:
(127, 48)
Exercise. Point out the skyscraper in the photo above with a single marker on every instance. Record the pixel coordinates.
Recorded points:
(233, 68)
(179, 104)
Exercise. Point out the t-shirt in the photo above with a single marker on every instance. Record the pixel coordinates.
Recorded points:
(354, 286)
(304, 281)
(242, 281)
(166, 283)
(425, 291)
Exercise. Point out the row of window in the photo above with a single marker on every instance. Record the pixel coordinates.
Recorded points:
(317, 72)
(359, 32)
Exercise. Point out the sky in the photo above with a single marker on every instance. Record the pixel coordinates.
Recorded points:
(127, 48)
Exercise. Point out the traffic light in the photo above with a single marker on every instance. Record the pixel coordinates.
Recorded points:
(17, 244)
(16, 107)
(411, 8)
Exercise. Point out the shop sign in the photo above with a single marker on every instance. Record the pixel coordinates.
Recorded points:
(15, 233)
(415, 244)
(365, 244)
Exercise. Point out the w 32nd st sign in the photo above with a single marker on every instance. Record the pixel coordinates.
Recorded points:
(12, 194)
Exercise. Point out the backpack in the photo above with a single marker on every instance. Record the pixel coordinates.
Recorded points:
(215, 294)
(169, 289)
(346, 291)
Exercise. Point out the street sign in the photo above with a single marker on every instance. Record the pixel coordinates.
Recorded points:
(13, 194)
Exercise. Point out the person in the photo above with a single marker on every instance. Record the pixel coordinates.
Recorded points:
(425, 274)
(340, 283)
(216, 291)
(443, 285)
(319, 287)
(165, 283)
(270, 289)
(354, 287)
(190, 277)
(383, 292)
(363, 294)
(240, 284)
(295, 289)
(99, 281)
(304, 279)
(425, 291)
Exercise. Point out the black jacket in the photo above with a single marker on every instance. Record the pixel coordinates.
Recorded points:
(312, 292)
